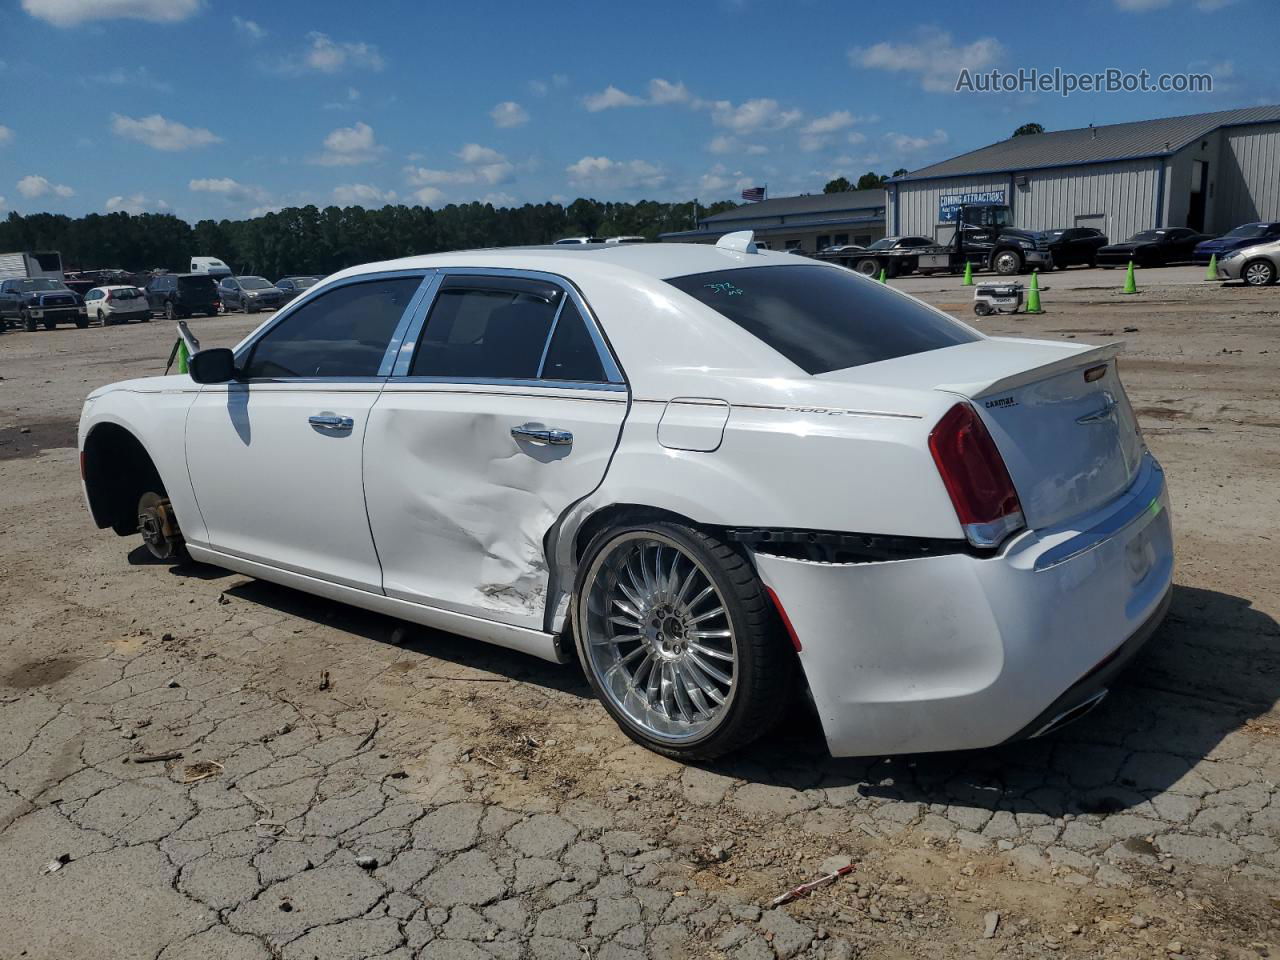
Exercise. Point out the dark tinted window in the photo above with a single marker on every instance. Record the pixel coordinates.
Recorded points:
(342, 333)
(572, 354)
(493, 329)
(823, 318)
(196, 284)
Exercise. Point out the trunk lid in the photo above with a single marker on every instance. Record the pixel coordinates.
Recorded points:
(1071, 444)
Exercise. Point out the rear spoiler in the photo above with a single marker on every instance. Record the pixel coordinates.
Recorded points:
(1089, 356)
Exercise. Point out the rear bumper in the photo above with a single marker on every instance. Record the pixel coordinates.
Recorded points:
(957, 652)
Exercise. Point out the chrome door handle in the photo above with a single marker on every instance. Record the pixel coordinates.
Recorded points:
(331, 421)
(542, 436)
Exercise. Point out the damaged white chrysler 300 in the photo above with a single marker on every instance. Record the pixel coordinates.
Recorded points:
(723, 474)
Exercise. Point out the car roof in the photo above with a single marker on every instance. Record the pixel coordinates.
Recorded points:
(660, 261)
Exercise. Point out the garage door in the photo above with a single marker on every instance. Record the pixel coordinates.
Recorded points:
(1098, 221)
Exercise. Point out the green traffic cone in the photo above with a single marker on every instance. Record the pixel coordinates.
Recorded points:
(1212, 272)
(1033, 298)
(1130, 284)
(883, 278)
(968, 274)
(183, 356)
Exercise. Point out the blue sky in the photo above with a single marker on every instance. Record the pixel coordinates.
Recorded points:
(216, 108)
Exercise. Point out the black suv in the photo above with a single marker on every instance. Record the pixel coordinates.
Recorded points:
(183, 294)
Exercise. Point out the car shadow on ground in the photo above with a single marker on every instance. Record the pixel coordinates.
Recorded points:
(458, 651)
(1213, 666)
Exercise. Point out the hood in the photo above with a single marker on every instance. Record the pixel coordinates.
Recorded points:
(1130, 245)
(1016, 232)
(1223, 244)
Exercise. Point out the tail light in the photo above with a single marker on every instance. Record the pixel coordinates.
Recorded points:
(975, 476)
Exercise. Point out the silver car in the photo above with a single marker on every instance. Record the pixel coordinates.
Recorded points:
(1257, 266)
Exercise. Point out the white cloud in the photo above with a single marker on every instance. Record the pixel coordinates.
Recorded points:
(249, 29)
(349, 146)
(363, 194)
(935, 58)
(763, 113)
(499, 198)
(724, 144)
(429, 196)
(661, 93)
(483, 166)
(34, 186)
(664, 91)
(3, 203)
(817, 133)
(264, 209)
(856, 137)
(161, 134)
(719, 179)
(121, 77)
(540, 88)
(324, 55)
(601, 172)
(232, 190)
(6, 135)
(69, 13)
(905, 143)
(610, 97)
(509, 114)
(134, 204)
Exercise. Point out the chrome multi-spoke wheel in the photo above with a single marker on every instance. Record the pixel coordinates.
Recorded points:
(1259, 273)
(658, 637)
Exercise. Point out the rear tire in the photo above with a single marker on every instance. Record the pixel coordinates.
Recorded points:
(82, 322)
(868, 267)
(28, 323)
(169, 312)
(699, 620)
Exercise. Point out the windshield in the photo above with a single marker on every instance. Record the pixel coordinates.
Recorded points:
(1148, 235)
(40, 283)
(1249, 230)
(254, 283)
(822, 318)
(126, 293)
(884, 243)
(303, 282)
(199, 282)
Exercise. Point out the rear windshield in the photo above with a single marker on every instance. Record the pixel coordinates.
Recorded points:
(823, 319)
(196, 283)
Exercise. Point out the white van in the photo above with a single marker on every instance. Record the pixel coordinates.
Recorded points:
(210, 266)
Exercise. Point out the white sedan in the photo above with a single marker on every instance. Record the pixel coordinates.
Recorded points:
(117, 304)
(716, 476)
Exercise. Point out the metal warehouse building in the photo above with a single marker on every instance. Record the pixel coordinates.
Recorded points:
(1207, 171)
(806, 223)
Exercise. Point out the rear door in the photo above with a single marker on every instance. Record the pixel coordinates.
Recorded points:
(276, 458)
(504, 409)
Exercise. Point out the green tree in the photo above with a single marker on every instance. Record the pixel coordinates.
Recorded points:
(838, 185)
(870, 180)
(1027, 129)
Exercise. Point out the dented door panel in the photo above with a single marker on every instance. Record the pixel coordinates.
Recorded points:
(460, 508)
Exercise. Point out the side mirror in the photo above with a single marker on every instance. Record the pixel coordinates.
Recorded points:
(214, 365)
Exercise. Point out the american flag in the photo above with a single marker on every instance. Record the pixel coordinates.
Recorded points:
(753, 194)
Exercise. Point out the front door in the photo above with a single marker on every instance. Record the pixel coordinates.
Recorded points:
(1199, 195)
(276, 457)
(506, 415)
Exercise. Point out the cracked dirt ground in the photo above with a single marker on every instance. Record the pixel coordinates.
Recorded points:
(444, 799)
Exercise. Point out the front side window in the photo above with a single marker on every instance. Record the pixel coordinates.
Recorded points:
(487, 328)
(342, 333)
(822, 318)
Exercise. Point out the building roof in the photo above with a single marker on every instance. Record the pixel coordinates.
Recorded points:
(807, 204)
(1114, 141)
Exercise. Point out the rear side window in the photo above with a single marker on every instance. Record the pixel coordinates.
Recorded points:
(572, 354)
(196, 284)
(342, 333)
(488, 328)
(821, 318)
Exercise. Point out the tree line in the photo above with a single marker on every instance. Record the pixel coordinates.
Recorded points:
(314, 240)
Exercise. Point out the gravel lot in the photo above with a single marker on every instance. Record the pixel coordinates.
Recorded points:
(443, 799)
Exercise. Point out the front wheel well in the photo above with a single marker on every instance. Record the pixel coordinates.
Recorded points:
(117, 472)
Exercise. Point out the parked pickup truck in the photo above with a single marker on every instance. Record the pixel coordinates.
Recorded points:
(40, 300)
(983, 238)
